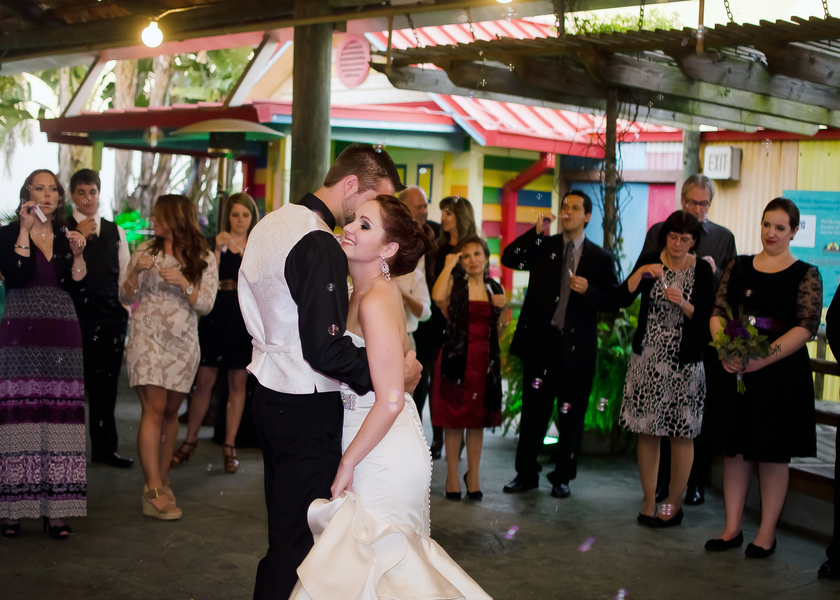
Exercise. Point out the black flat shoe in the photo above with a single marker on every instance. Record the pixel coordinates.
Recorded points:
(644, 520)
(114, 460)
(561, 490)
(453, 496)
(472, 495)
(721, 545)
(829, 570)
(754, 551)
(516, 486)
(658, 523)
(661, 493)
(694, 495)
(57, 532)
(12, 530)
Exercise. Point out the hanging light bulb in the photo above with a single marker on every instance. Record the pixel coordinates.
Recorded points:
(152, 36)
(504, 1)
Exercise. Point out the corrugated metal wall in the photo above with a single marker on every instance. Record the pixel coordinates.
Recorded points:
(766, 170)
(818, 166)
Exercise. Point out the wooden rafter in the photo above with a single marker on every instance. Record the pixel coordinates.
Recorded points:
(795, 90)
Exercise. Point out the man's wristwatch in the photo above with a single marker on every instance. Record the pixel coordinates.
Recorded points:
(189, 290)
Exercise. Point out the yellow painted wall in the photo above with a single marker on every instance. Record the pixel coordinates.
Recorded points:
(818, 166)
(766, 170)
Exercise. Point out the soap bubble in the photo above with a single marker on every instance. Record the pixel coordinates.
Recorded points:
(332, 329)
(536, 383)
(565, 408)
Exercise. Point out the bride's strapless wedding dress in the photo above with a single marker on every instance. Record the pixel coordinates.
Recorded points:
(373, 543)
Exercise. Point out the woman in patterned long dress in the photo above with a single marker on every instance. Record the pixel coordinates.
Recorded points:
(666, 382)
(774, 420)
(224, 340)
(42, 410)
(175, 278)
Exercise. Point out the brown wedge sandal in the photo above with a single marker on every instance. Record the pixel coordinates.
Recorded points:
(169, 512)
(182, 455)
(231, 462)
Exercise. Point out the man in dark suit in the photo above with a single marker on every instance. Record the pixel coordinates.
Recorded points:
(556, 338)
(102, 318)
(716, 246)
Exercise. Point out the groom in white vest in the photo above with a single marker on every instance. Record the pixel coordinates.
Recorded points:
(293, 296)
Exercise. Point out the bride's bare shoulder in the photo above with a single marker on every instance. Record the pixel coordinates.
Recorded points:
(382, 299)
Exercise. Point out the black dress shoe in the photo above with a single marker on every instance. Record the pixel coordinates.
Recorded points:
(721, 545)
(114, 460)
(516, 486)
(661, 493)
(754, 551)
(829, 570)
(453, 496)
(12, 530)
(561, 490)
(658, 523)
(694, 495)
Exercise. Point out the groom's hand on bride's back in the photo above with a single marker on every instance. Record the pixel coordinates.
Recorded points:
(413, 370)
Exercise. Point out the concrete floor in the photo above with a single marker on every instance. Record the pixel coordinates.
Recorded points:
(213, 551)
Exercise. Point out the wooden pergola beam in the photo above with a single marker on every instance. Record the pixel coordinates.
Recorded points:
(801, 63)
(501, 82)
(752, 76)
(758, 109)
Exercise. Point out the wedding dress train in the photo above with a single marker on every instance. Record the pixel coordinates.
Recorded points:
(373, 543)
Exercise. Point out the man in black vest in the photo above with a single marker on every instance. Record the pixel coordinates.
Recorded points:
(556, 337)
(102, 318)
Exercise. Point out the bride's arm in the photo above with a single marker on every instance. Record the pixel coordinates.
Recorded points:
(383, 325)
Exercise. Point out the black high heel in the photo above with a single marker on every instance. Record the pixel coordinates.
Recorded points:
(10, 530)
(453, 496)
(56, 531)
(472, 495)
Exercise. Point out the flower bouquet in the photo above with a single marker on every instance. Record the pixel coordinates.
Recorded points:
(741, 342)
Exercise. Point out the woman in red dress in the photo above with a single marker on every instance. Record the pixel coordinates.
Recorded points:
(467, 385)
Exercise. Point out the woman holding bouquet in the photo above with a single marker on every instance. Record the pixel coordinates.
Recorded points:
(666, 383)
(773, 420)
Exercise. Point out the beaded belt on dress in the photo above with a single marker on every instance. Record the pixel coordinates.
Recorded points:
(227, 285)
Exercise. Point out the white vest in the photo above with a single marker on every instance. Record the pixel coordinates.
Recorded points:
(268, 308)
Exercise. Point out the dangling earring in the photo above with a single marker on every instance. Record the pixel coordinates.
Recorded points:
(385, 270)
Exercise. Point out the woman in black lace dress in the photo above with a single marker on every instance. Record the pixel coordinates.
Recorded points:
(224, 340)
(773, 420)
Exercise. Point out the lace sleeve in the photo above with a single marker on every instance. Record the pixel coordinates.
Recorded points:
(809, 301)
(719, 309)
(208, 286)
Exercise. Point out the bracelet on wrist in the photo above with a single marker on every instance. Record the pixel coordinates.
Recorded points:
(21, 247)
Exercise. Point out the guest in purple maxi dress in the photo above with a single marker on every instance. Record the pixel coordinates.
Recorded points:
(42, 411)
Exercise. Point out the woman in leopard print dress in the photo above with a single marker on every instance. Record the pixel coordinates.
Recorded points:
(666, 383)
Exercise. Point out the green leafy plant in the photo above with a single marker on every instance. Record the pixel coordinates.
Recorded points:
(137, 229)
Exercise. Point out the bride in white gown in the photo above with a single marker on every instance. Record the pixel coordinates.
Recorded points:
(372, 539)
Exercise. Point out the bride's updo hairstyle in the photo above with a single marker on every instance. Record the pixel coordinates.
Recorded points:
(400, 227)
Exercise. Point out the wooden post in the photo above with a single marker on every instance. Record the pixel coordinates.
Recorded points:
(691, 160)
(311, 108)
(610, 174)
(96, 156)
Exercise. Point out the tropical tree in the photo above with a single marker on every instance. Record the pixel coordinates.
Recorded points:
(15, 118)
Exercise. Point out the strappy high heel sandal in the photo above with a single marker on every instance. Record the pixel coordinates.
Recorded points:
(169, 512)
(182, 455)
(10, 530)
(231, 462)
(57, 532)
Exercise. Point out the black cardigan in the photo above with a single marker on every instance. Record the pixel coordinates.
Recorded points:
(696, 333)
(18, 270)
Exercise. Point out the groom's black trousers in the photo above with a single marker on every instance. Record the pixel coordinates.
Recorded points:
(300, 436)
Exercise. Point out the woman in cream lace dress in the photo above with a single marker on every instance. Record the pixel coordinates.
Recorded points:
(175, 278)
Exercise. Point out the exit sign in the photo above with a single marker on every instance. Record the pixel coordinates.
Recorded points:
(722, 162)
